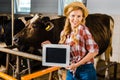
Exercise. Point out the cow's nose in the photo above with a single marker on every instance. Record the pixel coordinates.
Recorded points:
(16, 39)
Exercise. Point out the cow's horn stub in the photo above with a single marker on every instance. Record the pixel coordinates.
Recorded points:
(34, 18)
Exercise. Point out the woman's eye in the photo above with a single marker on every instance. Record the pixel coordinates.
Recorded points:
(79, 16)
(73, 16)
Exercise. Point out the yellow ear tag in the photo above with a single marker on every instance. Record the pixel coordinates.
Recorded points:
(47, 28)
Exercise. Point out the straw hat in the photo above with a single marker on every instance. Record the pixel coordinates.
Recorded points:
(70, 7)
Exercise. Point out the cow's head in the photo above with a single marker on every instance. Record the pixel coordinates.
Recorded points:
(36, 31)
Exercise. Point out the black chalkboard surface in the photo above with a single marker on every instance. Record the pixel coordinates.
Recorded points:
(56, 55)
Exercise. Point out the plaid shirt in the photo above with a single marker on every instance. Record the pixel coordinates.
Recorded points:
(86, 44)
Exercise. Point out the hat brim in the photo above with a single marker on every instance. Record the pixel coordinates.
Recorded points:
(76, 4)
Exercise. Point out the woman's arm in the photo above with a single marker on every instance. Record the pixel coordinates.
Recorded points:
(87, 58)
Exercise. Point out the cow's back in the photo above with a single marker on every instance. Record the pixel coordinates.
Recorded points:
(58, 27)
(99, 26)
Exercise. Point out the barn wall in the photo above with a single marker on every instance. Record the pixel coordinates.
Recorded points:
(5, 6)
(51, 6)
(94, 6)
(116, 39)
(104, 6)
(44, 6)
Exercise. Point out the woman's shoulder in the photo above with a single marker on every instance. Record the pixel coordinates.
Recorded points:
(84, 29)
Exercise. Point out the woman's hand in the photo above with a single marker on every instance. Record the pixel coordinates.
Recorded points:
(45, 42)
(72, 67)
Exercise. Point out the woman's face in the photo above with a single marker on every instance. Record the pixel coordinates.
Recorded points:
(75, 18)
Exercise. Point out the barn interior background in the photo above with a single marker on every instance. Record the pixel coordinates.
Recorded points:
(50, 7)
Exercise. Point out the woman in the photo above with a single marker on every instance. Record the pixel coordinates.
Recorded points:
(83, 46)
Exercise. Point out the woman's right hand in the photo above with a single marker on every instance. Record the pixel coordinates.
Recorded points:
(45, 42)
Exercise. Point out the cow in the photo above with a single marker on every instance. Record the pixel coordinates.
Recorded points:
(6, 32)
(102, 33)
(18, 25)
(100, 25)
(6, 28)
(38, 29)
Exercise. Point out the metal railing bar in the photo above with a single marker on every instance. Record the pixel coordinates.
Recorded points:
(23, 54)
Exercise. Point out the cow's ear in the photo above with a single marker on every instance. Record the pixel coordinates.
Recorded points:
(50, 26)
(23, 19)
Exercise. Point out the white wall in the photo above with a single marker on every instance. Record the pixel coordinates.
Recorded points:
(104, 6)
(116, 39)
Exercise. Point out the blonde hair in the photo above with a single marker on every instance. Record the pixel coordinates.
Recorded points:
(67, 29)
